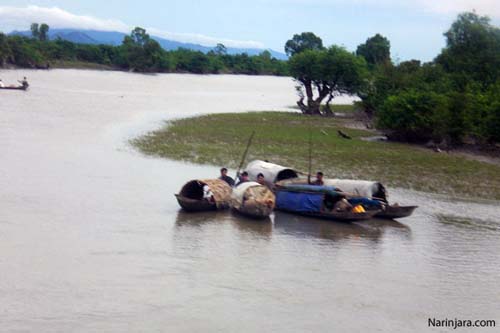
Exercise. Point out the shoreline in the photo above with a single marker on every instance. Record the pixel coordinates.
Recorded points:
(282, 137)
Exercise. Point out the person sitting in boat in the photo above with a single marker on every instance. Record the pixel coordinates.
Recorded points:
(319, 179)
(225, 177)
(261, 180)
(243, 178)
(207, 194)
(24, 82)
(2, 85)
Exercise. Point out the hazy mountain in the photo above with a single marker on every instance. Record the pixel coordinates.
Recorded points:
(116, 38)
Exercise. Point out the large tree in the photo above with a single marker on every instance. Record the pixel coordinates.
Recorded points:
(472, 50)
(376, 50)
(142, 53)
(43, 32)
(324, 74)
(304, 41)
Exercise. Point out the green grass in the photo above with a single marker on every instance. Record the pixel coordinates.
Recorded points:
(283, 138)
(342, 108)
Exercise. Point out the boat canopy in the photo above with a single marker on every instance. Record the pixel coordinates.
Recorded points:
(272, 172)
(220, 189)
(252, 192)
(362, 188)
(306, 198)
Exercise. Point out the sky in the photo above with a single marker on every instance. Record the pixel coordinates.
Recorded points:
(415, 28)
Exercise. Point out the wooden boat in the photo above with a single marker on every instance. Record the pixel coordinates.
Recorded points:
(204, 195)
(15, 88)
(253, 200)
(318, 201)
(278, 175)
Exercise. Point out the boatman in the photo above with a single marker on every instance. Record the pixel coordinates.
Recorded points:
(319, 179)
(243, 178)
(225, 177)
(260, 179)
(24, 83)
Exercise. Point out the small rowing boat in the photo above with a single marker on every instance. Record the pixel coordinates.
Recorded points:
(15, 88)
(204, 195)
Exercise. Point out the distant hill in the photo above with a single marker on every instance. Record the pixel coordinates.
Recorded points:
(116, 38)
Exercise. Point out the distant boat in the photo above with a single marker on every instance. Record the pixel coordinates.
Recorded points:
(204, 195)
(323, 202)
(15, 88)
(253, 200)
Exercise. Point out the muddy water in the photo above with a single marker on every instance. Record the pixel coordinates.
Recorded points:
(92, 240)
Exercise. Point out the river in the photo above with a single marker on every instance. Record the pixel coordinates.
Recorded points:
(92, 239)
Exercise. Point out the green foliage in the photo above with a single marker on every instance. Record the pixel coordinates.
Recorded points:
(453, 99)
(376, 50)
(304, 41)
(5, 51)
(472, 51)
(413, 115)
(35, 32)
(326, 73)
(43, 32)
(138, 52)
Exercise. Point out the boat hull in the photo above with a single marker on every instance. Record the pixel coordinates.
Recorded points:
(14, 88)
(396, 212)
(259, 213)
(337, 216)
(192, 205)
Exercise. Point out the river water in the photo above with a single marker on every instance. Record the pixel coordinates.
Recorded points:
(92, 239)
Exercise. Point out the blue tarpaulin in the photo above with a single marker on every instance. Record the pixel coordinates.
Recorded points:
(365, 202)
(299, 201)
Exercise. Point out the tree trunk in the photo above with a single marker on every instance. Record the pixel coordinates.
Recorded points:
(328, 110)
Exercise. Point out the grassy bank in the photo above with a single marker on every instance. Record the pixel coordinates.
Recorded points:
(284, 138)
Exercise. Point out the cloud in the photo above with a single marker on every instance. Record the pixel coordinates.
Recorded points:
(20, 18)
(482, 7)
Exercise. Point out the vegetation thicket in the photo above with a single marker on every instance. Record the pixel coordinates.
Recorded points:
(138, 52)
(451, 100)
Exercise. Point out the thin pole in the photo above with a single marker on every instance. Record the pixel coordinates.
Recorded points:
(245, 154)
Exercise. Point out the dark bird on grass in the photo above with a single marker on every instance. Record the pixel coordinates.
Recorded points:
(343, 135)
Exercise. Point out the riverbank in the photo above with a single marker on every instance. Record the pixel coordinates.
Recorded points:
(283, 137)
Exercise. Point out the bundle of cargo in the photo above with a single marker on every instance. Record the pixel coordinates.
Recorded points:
(253, 199)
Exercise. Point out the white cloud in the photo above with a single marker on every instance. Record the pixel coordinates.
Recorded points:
(483, 7)
(20, 18)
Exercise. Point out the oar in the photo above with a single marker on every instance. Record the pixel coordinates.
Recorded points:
(245, 154)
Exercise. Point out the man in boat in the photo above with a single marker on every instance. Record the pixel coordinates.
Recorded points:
(207, 194)
(318, 181)
(261, 180)
(243, 178)
(225, 177)
(24, 82)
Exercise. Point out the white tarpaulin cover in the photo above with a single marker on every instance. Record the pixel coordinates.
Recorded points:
(364, 188)
(272, 172)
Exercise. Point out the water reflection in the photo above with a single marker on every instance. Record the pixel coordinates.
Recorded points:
(261, 228)
(301, 226)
